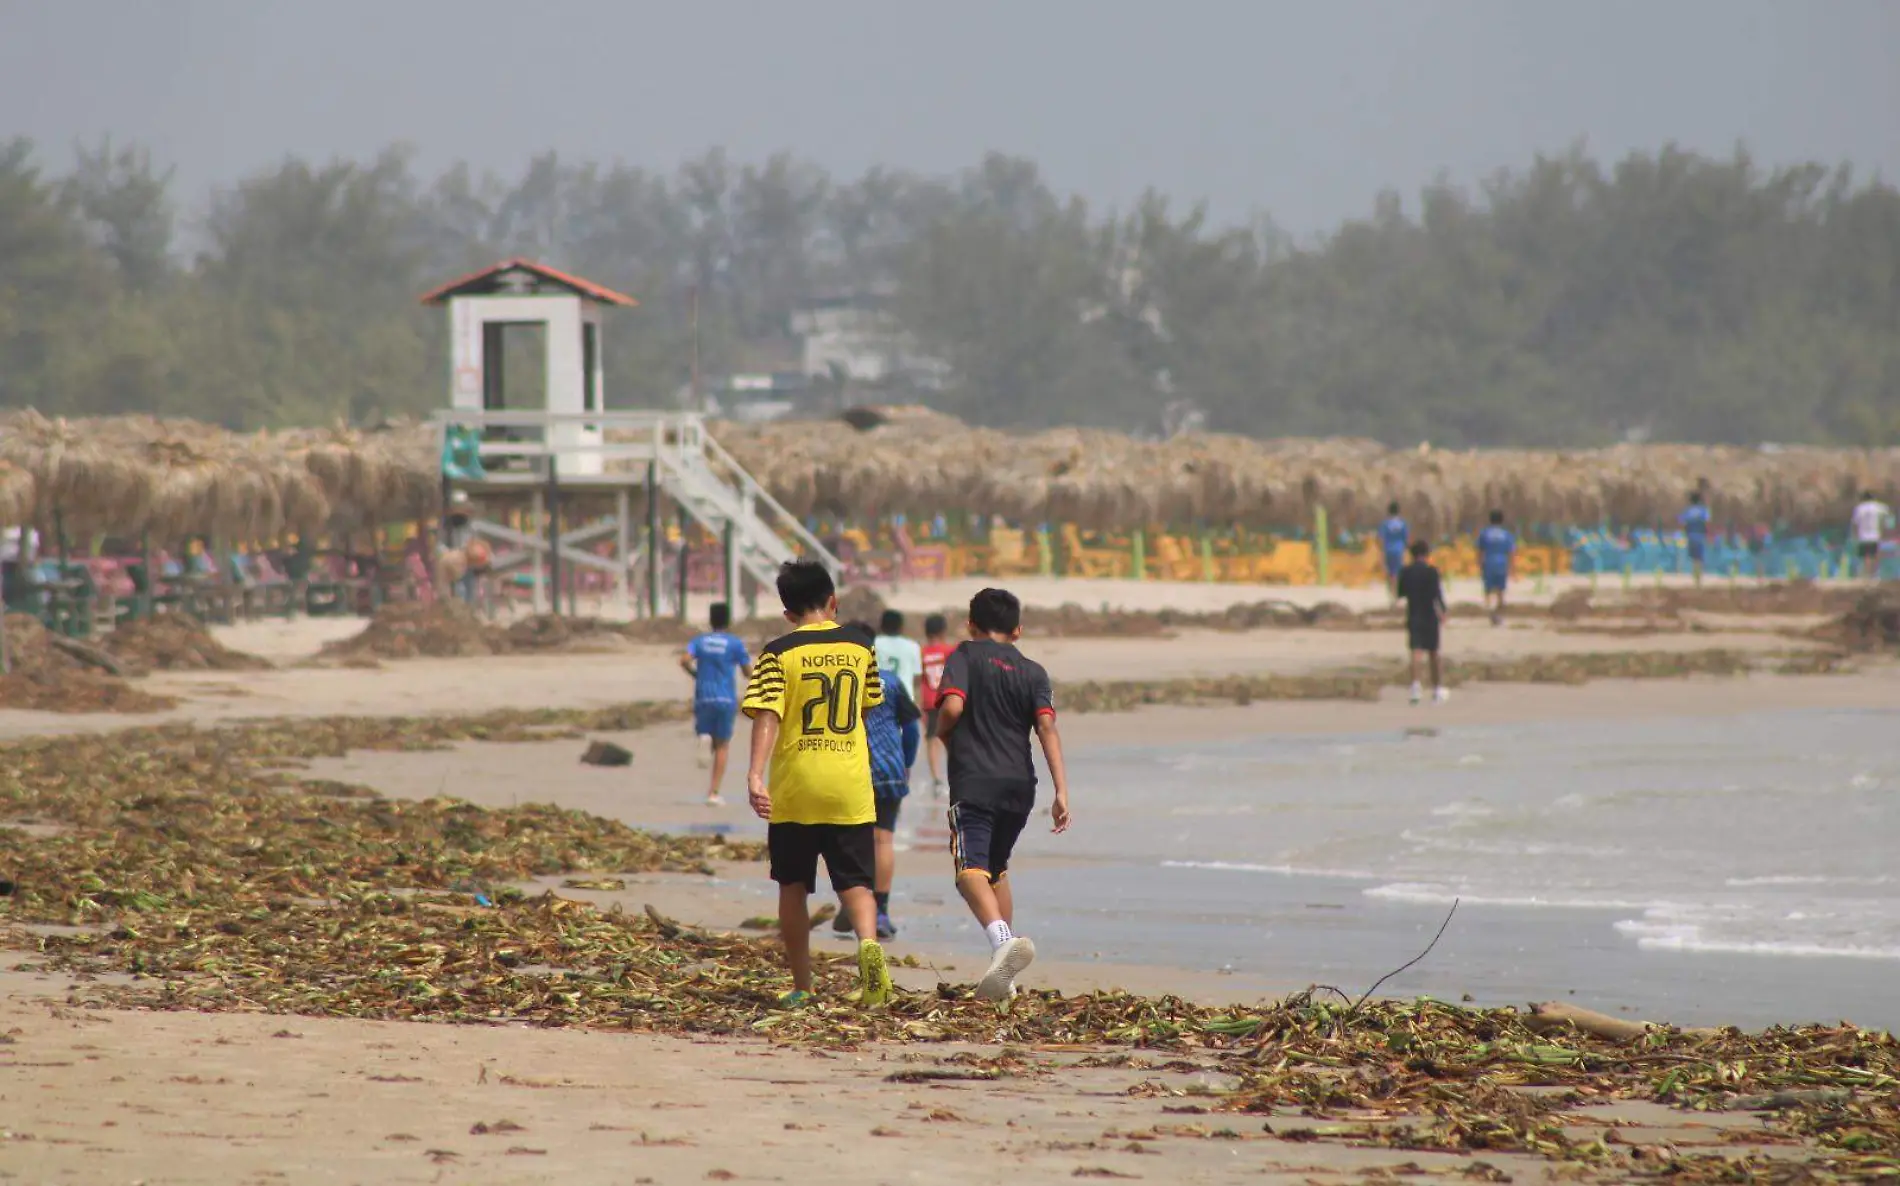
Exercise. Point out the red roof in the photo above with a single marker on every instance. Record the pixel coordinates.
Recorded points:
(567, 280)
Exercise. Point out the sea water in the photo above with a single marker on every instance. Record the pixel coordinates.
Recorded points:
(1743, 868)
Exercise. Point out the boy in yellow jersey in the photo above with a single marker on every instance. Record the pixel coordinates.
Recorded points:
(807, 698)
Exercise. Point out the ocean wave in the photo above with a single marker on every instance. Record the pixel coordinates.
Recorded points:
(1522, 848)
(1465, 808)
(1277, 870)
(1804, 879)
(1653, 935)
(1436, 894)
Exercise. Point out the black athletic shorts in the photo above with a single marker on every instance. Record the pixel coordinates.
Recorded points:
(1422, 635)
(1869, 549)
(887, 809)
(849, 851)
(982, 837)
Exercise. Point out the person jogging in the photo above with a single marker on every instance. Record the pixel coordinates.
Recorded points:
(712, 659)
(1424, 596)
(1496, 547)
(936, 652)
(903, 656)
(1868, 523)
(810, 773)
(993, 698)
(1393, 534)
(1695, 532)
(890, 783)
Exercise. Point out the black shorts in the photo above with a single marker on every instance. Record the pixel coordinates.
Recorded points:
(1869, 549)
(982, 838)
(1422, 635)
(930, 724)
(887, 809)
(849, 851)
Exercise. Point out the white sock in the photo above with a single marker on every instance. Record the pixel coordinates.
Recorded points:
(998, 932)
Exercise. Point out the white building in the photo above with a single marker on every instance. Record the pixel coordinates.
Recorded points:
(854, 337)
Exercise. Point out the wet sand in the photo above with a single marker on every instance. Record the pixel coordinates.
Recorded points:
(93, 1096)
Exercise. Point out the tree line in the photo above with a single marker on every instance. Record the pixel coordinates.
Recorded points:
(1664, 296)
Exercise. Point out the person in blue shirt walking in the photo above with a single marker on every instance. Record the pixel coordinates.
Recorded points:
(1695, 530)
(713, 660)
(1394, 534)
(1496, 546)
(890, 782)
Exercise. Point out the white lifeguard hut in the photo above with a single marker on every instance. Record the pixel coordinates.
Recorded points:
(570, 309)
(573, 450)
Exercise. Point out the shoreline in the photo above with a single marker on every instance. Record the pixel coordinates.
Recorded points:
(1154, 1087)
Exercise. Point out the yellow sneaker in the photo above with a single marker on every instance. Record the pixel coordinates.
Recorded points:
(874, 976)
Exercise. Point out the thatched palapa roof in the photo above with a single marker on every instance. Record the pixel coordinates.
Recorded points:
(127, 474)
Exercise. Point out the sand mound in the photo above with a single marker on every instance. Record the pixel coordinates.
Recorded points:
(412, 630)
(1873, 624)
(175, 642)
(451, 630)
(45, 678)
(860, 604)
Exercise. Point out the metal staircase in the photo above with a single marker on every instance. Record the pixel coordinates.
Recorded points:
(697, 472)
(551, 453)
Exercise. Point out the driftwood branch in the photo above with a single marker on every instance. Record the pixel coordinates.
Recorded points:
(1556, 1015)
(87, 653)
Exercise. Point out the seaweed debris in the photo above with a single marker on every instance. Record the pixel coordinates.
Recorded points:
(201, 866)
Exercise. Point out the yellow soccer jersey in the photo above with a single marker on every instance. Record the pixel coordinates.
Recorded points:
(819, 679)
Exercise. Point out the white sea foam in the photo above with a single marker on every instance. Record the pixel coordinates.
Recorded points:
(1277, 870)
(1803, 879)
(1660, 934)
(1465, 808)
(1435, 894)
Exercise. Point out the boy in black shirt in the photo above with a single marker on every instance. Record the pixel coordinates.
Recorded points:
(1424, 597)
(991, 699)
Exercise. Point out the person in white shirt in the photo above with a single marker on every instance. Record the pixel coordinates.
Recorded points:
(18, 547)
(903, 656)
(1869, 520)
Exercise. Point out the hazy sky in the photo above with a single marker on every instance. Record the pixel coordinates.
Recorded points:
(1301, 109)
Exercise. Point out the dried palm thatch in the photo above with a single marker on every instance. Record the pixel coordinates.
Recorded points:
(16, 493)
(113, 474)
(900, 460)
(78, 475)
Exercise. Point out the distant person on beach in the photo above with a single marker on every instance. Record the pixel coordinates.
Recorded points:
(1496, 547)
(810, 773)
(936, 652)
(1869, 521)
(905, 657)
(992, 698)
(1424, 597)
(19, 546)
(712, 659)
(890, 782)
(1695, 531)
(1393, 535)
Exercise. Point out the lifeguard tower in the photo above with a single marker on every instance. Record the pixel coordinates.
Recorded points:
(573, 450)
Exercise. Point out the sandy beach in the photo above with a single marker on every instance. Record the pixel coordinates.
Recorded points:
(98, 1095)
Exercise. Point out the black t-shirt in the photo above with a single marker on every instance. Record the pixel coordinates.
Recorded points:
(1003, 693)
(1424, 596)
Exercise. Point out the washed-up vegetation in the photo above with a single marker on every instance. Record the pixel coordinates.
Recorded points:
(201, 871)
(45, 674)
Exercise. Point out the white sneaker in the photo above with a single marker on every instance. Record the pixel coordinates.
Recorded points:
(1440, 695)
(1007, 964)
(1418, 693)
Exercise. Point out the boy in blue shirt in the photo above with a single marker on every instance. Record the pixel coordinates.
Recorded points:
(1695, 530)
(712, 659)
(1394, 534)
(1496, 546)
(884, 726)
